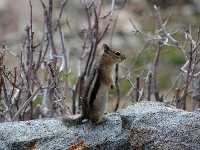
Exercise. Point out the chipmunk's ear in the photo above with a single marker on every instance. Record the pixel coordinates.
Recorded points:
(106, 48)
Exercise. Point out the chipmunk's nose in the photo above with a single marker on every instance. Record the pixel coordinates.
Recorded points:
(123, 58)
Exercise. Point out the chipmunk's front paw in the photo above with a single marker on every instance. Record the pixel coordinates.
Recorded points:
(112, 86)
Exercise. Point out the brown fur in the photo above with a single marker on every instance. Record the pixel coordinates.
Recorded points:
(95, 94)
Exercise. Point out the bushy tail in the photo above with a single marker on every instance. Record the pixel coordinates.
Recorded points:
(72, 120)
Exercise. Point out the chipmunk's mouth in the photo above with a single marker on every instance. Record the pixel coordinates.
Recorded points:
(123, 59)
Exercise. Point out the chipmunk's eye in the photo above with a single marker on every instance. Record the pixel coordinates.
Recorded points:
(117, 53)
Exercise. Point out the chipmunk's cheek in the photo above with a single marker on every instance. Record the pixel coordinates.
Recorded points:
(119, 60)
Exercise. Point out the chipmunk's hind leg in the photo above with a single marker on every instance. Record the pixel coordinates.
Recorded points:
(100, 121)
(97, 120)
(97, 117)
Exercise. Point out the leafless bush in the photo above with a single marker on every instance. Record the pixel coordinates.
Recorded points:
(39, 75)
(187, 82)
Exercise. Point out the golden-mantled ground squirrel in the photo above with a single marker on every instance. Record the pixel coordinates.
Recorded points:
(95, 93)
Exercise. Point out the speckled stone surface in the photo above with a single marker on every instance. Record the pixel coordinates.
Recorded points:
(144, 125)
(51, 134)
(155, 126)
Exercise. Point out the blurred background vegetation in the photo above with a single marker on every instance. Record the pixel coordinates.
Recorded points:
(15, 16)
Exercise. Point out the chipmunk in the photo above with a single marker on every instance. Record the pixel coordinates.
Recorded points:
(95, 93)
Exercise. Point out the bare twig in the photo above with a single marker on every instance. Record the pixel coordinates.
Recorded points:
(26, 103)
(53, 52)
(149, 87)
(138, 31)
(117, 86)
(60, 14)
(168, 35)
(138, 88)
(154, 73)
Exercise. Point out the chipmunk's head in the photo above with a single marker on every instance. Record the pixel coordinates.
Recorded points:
(111, 56)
